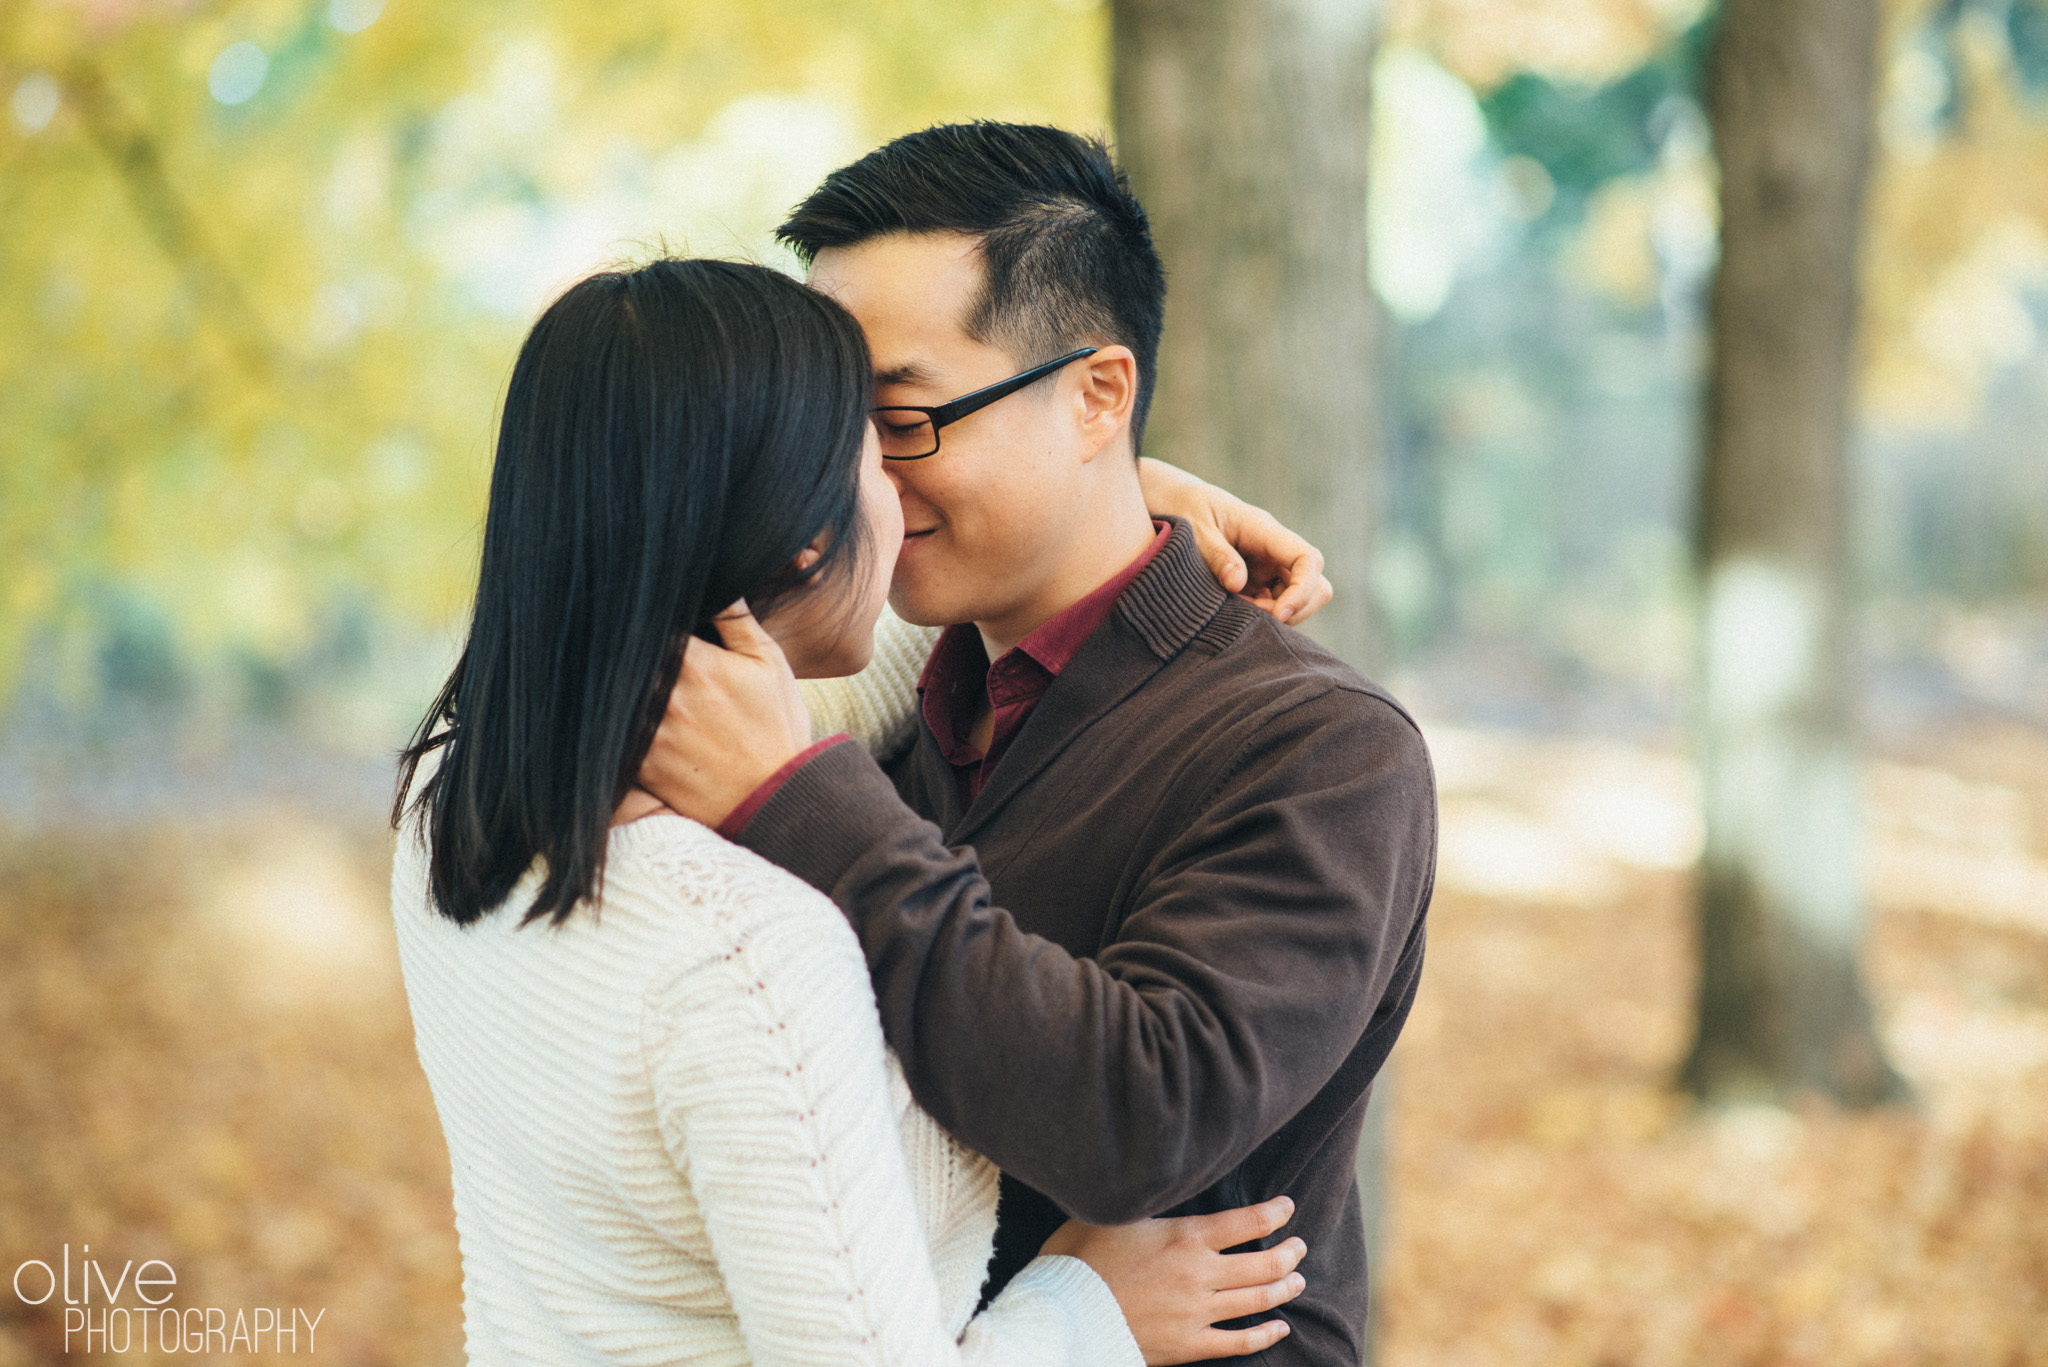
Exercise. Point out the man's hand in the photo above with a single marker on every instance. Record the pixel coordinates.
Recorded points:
(1246, 548)
(1173, 1281)
(734, 717)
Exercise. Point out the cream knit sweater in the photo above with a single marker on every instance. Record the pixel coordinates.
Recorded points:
(676, 1134)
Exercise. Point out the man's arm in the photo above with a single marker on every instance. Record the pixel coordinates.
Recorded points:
(1253, 959)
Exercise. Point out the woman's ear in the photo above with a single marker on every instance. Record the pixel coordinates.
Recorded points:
(807, 557)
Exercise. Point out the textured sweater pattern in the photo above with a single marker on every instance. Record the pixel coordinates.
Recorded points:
(675, 1133)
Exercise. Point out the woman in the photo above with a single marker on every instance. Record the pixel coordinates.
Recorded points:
(675, 1132)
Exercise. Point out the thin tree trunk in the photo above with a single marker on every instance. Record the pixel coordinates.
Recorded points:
(1781, 1001)
(133, 153)
(1245, 127)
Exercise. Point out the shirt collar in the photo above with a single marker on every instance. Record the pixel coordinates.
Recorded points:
(1052, 644)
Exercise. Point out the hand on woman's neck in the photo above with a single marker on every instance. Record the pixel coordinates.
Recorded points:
(638, 802)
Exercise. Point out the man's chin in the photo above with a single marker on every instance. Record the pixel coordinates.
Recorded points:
(921, 610)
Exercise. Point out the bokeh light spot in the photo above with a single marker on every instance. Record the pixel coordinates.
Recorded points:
(238, 73)
(35, 101)
(353, 16)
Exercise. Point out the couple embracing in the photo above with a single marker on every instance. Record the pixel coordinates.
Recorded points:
(1029, 1015)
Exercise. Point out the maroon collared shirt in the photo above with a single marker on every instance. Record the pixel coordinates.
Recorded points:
(958, 676)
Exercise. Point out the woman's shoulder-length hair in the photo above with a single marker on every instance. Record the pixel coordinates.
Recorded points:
(673, 436)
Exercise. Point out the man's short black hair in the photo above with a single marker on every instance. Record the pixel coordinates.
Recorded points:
(1067, 255)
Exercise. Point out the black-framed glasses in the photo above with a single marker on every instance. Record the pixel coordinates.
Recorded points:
(910, 433)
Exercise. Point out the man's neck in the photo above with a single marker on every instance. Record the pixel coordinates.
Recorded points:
(1100, 558)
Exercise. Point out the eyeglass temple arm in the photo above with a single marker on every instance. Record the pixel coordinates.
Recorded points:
(1001, 389)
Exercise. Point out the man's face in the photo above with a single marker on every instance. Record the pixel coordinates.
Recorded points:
(986, 520)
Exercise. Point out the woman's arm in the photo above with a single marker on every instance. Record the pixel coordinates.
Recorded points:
(878, 706)
(765, 1057)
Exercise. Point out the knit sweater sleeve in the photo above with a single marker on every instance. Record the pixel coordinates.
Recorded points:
(765, 1058)
(878, 706)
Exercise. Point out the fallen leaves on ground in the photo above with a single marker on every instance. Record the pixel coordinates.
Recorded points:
(209, 1062)
(1556, 1202)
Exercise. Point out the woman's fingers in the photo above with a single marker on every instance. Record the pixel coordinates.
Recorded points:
(1256, 1300)
(1250, 551)
(1229, 1228)
(1307, 590)
(1237, 1343)
(1286, 569)
(1174, 1283)
(1260, 1266)
(1222, 558)
(1296, 598)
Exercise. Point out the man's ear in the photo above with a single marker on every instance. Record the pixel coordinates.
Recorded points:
(1104, 397)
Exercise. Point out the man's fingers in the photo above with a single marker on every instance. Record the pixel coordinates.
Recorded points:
(1237, 1343)
(1256, 1300)
(695, 650)
(741, 633)
(1228, 1228)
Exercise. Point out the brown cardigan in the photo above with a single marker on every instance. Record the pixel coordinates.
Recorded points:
(1192, 932)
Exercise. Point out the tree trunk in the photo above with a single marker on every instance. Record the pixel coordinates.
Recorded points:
(1781, 1003)
(1245, 127)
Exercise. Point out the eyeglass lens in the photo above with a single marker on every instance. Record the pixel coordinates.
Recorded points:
(905, 432)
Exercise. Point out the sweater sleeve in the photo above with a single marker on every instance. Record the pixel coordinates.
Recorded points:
(766, 1062)
(1134, 1080)
(878, 706)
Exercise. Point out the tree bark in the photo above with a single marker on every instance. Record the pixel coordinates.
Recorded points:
(1781, 1003)
(1245, 126)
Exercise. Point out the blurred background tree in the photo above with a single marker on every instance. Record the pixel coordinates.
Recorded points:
(1247, 131)
(1782, 914)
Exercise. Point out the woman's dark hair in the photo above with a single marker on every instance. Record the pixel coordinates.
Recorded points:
(673, 437)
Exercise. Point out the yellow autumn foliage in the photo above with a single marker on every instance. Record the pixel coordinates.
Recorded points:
(251, 339)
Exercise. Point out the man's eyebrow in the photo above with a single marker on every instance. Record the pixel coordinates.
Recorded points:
(910, 372)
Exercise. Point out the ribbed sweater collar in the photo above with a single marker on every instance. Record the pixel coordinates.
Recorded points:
(1174, 597)
(1166, 606)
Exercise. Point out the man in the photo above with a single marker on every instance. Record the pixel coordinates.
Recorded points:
(1190, 923)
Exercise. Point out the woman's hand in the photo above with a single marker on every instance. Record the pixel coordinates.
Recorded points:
(1174, 1282)
(1246, 548)
(734, 718)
